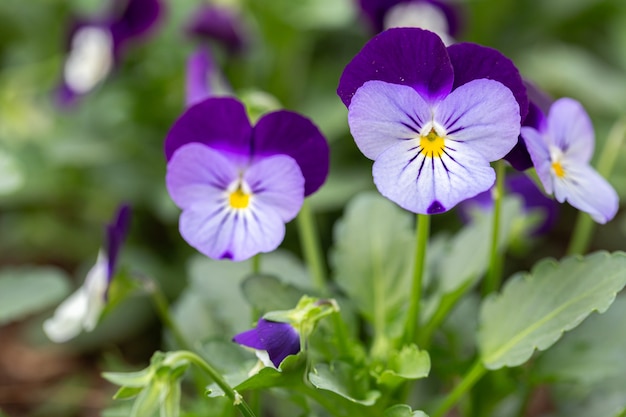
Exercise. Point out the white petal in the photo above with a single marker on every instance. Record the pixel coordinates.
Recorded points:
(90, 60)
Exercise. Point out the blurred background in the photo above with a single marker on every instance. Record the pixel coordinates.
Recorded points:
(65, 169)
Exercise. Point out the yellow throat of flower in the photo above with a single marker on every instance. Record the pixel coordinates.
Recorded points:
(432, 144)
(238, 199)
(558, 169)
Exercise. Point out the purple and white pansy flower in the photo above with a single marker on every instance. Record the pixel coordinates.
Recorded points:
(96, 45)
(272, 341)
(81, 310)
(238, 185)
(561, 149)
(432, 118)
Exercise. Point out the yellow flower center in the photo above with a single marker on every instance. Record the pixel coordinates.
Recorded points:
(238, 199)
(432, 144)
(558, 169)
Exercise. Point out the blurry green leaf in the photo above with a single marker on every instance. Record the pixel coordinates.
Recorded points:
(344, 380)
(592, 353)
(125, 393)
(171, 403)
(403, 410)
(266, 293)
(605, 399)
(313, 14)
(149, 399)
(117, 410)
(130, 379)
(29, 289)
(11, 177)
(226, 356)
(533, 310)
(373, 259)
(409, 363)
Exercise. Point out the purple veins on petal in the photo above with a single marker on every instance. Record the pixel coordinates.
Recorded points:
(278, 339)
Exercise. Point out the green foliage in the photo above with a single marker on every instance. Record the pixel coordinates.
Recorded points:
(267, 293)
(344, 380)
(27, 290)
(402, 410)
(533, 310)
(409, 363)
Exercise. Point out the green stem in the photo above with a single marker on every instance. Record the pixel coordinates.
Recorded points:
(471, 377)
(311, 247)
(236, 398)
(584, 226)
(494, 276)
(163, 311)
(412, 319)
(256, 264)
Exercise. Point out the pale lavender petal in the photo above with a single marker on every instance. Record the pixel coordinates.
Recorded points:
(277, 184)
(382, 114)
(540, 155)
(257, 230)
(198, 175)
(279, 340)
(484, 114)
(210, 229)
(430, 185)
(407, 56)
(571, 130)
(199, 68)
(221, 123)
(288, 133)
(586, 190)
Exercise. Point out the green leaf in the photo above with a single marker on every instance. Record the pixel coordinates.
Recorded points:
(373, 264)
(149, 399)
(170, 407)
(130, 379)
(11, 177)
(125, 393)
(403, 410)
(534, 310)
(267, 293)
(344, 380)
(592, 353)
(29, 289)
(409, 363)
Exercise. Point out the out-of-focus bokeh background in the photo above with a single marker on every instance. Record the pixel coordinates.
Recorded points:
(63, 171)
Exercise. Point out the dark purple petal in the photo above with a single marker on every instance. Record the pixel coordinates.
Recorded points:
(407, 56)
(375, 11)
(217, 23)
(249, 338)
(539, 97)
(199, 68)
(278, 339)
(136, 18)
(534, 199)
(519, 158)
(288, 133)
(116, 233)
(220, 123)
(472, 62)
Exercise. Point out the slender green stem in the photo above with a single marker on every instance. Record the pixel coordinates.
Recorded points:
(584, 226)
(256, 264)
(162, 309)
(236, 398)
(471, 377)
(412, 319)
(494, 275)
(311, 247)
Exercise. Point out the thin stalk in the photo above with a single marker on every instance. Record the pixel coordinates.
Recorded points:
(494, 276)
(256, 264)
(584, 226)
(312, 248)
(236, 398)
(163, 311)
(412, 323)
(471, 377)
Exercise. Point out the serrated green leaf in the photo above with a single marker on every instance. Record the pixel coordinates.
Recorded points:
(344, 380)
(373, 264)
(534, 310)
(590, 354)
(267, 293)
(408, 363)
(27, 290)
(403, 410)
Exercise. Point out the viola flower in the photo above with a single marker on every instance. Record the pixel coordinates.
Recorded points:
(271, 339)
(238, 185)
(432, 118)
(81, 310)
(561, 150)
(217, 23)
(97, 44)
(200, 68)
(434, 15)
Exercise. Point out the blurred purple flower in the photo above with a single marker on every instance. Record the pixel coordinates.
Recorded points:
(82, 310)
(431, 117)
(200, 67)
(238, 185)
(561, 150)
(434, 15)
(532, 197)
(279, 340)
(96, 45)
(217, 23)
